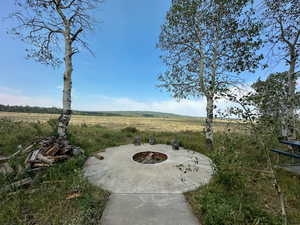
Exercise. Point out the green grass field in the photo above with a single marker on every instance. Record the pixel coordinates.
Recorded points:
(241, 193)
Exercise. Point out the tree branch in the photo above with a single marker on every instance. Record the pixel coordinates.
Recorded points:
(296, 38)
(57, 4)
(76, 34)
(282, 32)
(67, 6)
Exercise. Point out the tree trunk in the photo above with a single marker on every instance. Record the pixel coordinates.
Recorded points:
(209, 121)
(284, 128)
(65, 117)
(210, 94)
(282, 118)
(291, 135)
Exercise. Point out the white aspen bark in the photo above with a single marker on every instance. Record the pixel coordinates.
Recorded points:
(291, 135)
(209, 121)
(65, 117)
(208, 130)
(282, 117)
(284, 130)
(291, 111)
(210, 94)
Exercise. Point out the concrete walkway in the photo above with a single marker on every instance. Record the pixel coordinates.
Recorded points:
(148, 209)
(148, 194)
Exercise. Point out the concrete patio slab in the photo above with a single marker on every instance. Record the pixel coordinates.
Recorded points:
(183, 171)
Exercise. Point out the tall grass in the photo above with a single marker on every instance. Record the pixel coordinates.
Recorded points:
(239, 193)
(242, 191)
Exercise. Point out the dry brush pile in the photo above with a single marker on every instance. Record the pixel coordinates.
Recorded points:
(37, 156)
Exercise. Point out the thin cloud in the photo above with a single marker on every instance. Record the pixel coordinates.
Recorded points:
(105, 103)
(11, 99)
(10, 90)
(196, 107)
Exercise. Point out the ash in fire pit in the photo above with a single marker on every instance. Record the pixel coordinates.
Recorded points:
(149, 157)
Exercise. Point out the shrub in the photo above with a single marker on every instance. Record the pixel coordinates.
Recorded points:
(130, 130)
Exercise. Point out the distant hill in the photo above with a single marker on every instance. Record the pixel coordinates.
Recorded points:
(54, 110)
(144, 114)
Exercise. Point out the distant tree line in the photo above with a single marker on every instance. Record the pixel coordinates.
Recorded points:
(30, 109)
(50, 110)
(55, 110)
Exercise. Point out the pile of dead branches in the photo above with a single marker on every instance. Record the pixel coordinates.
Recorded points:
(45, 152)
(38, 155)
(48, 151)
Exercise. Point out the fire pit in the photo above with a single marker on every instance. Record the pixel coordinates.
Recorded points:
(149, 157)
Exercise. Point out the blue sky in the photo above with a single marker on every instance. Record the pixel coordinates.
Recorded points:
(122, 75)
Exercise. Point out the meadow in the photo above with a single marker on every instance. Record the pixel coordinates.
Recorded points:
(173, 124)
(241, 192)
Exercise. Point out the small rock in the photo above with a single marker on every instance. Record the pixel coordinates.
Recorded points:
(77, 151)
(175, 144)
(100, 157)
(137, 140)
(152, 141)
(5, 169)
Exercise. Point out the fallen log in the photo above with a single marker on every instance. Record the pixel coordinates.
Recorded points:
(17, 184)
(20, 149)
(29, 148)
(38, 164)
(7, 158)
(44, 159)
(22, 182)
(53, 150)
(35, 169)
(73, 195)
(4, 159)
(33, 157)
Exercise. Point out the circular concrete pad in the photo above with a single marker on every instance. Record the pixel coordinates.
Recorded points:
(183, 171)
